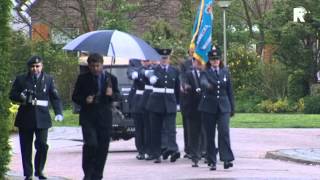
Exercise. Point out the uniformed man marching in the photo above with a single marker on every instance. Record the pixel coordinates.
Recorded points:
(217, 105)
(137, 108)
(147, 72)
(33, 91)
(162, 105)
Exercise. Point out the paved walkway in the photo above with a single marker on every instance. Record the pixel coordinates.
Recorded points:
(250, 147)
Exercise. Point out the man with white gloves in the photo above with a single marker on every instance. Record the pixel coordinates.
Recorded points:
(34, 90)
(163, 104)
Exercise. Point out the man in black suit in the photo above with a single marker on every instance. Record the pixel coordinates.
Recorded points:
(94, 92)
(193, 97)
(33, 91)
(162, 105)
(185, 66)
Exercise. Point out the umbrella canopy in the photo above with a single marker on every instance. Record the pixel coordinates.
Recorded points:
(113, 43)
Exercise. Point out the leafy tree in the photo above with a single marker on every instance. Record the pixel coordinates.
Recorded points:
(243, 64)
(5, 7)
(116, 14)
(295, 42)
(162, 35)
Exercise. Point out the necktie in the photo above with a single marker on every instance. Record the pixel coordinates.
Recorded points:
(98, 84)
(164, 68)
(217, 72)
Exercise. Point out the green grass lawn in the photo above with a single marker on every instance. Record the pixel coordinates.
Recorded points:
(261, 120)
(70, 119)
(240, 120)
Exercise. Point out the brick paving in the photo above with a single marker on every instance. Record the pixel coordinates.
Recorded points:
(250, 146)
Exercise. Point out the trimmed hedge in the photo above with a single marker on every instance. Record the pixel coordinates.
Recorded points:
(5, 8)
(312, 105)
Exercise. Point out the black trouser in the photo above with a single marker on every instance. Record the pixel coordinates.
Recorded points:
(41, 146)
(222, 121)
(95, 150)
(157, 121)
(140, 140)
(203, 139)
(147, 130)
(195, 131)
(186, 132)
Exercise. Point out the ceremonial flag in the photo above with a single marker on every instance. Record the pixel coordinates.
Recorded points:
(202, 31)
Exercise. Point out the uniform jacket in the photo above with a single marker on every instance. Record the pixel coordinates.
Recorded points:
(147, 92)
(100, 110)
(217, 92)
(165, 102)
(192, 97)
(136, 99)
(30, 116)
(184, 68)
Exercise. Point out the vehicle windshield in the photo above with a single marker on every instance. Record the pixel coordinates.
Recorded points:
(121, 73)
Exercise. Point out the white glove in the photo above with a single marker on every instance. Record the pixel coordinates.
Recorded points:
(153, 79)
(58, 118)
(178, 107)
(148, 73)
(23, 95)
(134, 75)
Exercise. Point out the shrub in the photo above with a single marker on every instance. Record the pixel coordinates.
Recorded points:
(5, 36)
(315, 90)
(266, 106)
(299, 106)
(279, 106)
(13, 112)
(242, 63)
(297, 85)
(312, 105)
(271, 81)
(246, 106)
(246, 101)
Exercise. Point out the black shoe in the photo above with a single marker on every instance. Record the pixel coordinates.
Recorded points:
(188, 156)
(42, 177)
(140, 156)
(195, 163)
(206, 161)
(213, 167)
(157, 160)
(174, 156)
(150, 157)
(166, 154)
(227, 164)
(28, 178)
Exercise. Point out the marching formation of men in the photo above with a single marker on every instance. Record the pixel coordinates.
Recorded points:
(205, 95)
(206, 98)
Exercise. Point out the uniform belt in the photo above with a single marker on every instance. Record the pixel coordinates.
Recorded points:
(139, 92)
(43, 103)
(148, 87)
(163, 90)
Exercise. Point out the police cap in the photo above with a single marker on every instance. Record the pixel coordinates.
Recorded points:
(34, 60)
(164, 52)
(214, 53)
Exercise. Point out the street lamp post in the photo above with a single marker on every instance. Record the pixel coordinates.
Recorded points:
(224, 5)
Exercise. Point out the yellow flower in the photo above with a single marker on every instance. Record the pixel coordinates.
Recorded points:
(13, 108)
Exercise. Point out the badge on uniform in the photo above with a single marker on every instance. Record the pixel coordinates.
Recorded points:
(224, 78)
